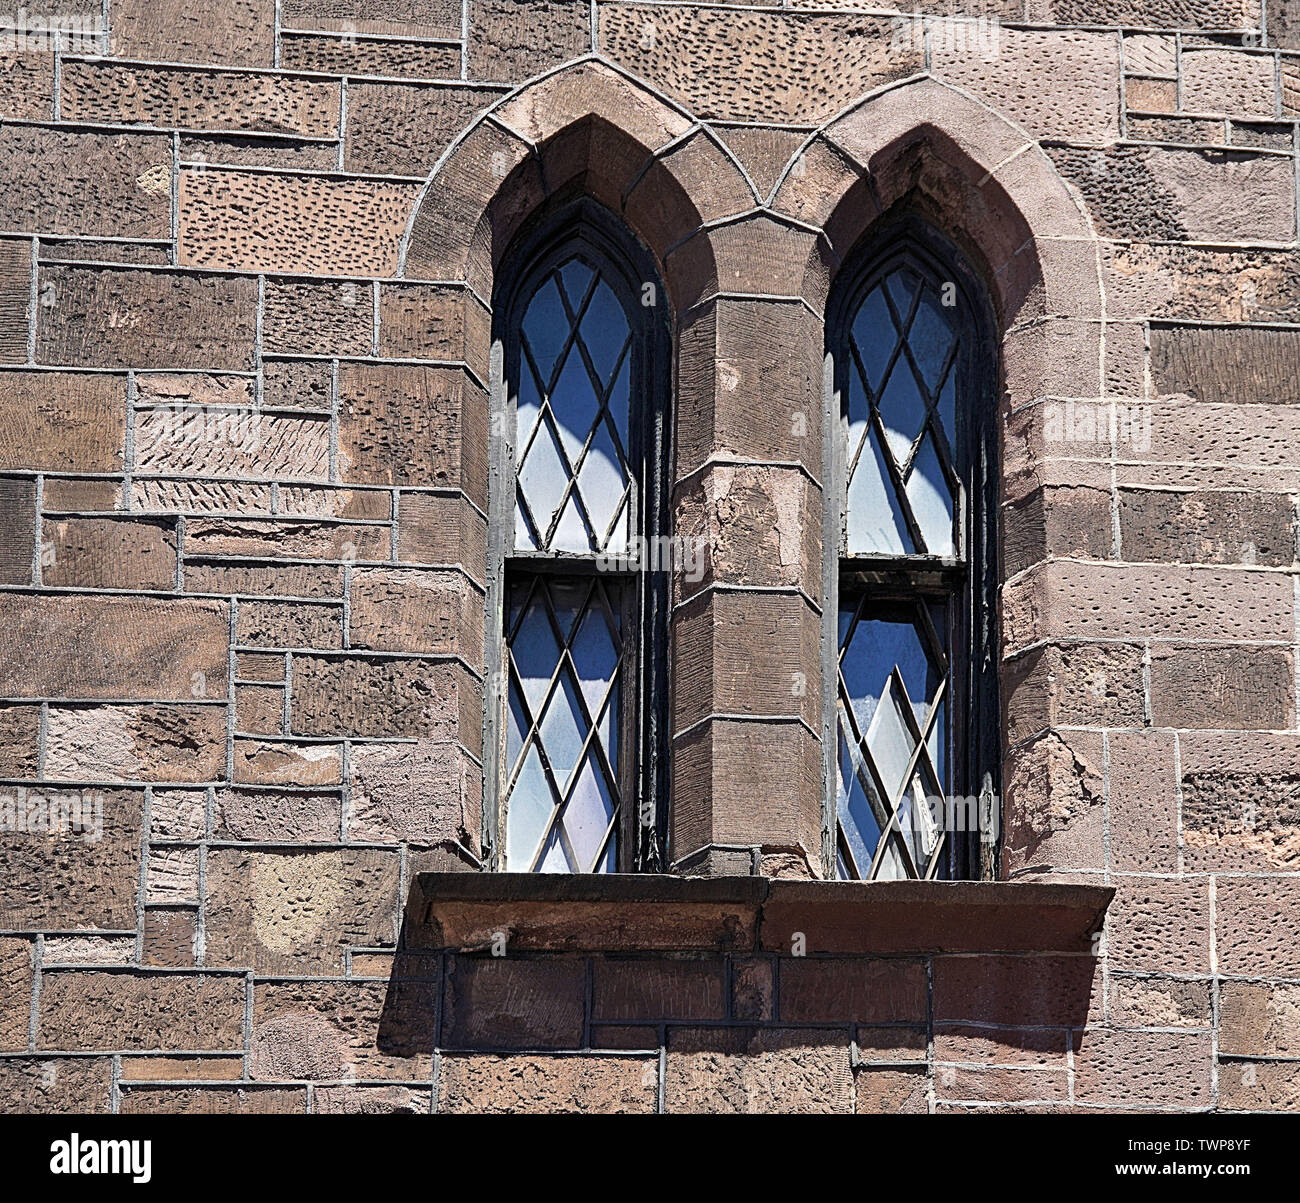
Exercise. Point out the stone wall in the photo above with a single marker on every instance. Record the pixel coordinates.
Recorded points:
(247, 258)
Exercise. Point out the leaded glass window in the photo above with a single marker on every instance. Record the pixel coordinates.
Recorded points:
(915, 735)
(573, 724)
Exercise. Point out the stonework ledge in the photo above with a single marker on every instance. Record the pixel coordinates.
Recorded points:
(646, 913)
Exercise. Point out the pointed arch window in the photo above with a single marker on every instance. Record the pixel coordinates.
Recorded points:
(574, 727)
(914, 784)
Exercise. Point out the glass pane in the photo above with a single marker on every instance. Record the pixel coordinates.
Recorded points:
(875, 521)
(560, 807)
(577, 336)
(893, 684)
(927, 491)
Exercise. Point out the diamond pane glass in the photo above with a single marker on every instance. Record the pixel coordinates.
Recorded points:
(562, 796)
(572, 421)
(893, 738)
(899, 410)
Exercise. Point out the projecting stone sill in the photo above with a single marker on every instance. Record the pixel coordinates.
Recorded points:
(646, 913)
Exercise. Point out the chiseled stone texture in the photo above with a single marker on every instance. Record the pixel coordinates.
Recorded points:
(592, 1085)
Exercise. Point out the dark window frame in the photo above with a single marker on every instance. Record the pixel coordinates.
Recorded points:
(554, 236)
(969, 578)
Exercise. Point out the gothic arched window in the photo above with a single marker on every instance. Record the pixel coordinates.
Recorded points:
(914, 703)
(574, 759)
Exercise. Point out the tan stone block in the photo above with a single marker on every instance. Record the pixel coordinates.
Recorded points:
(803, 1071)
(1259, 1019)
(214, 1100)
(297, 384)
(371, 1100)
(205, 100)
(27, 85)
(259, 666)
(403, 129)
(177, 1069)
(764, 153)
(297, 911)
(289, 624)
(108, 553)
(407, 425)
(404, 610)
(178, 814)
(792, 68)
(1083, 67)
(361, 56)
(1228, 81)
(277, 816)
(62, 420)
(1150, 54)
(297, 539)
(79, 494)
(17, 530)
(20, 740)
(130, 317)
(61, 181)
(15, 298)
(1158, 1002)
(439, 529)
(409, 18)
(1054, 807)
(145, 647)
(16, 978)
(136, 743)
(513, 40)
(427, 792)
(539, 1084)
(172, 876)
(82, 1009)
(1259, 1086)
(1151, 95)
(283, 580)
(1072, 685)
(892, 1091)
(259, 709)
(271, 762)
(309, 224)
(241, 32)
(56, 1086)
(345, 1030)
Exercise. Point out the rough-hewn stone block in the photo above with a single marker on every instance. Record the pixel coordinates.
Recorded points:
(122, 317)
(146, 648)
(17, 530)
(109, 553)
(307, 224)
(301, 318)
(298, 911)
(362, 56)
(62, 420)
(56, 1086)
(1218, 687)
(136, 743)
(413, 18)
(1226, 364)
(238, 32)
(513, 40)
(402, 129)
(405, 610)
(547, 1085)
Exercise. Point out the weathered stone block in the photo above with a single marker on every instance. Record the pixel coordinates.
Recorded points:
(402, 129)
(17, 530)
(406, 610)
(56, 1086)
(298, 911)
(412, 18)
(302, 318)
(203, 100)
(1207, 528)
(1229, 81)
(757, 1071)
(1072, 685)
(136, 743)
(1054, 807)
(1218, 687)
(427, 792)
(271, 762)
(143, 647)
(289, 624)
(60, 181)
(287, 539)
(129, 317)
(439, 529)
(62, 420)
(431, 321)
(406, 425)
(275, 816)
(1147, 1068)
(239, 32)
(137, 1011)
(20, 740)
(362, 56)
(309, 224)
(496, 1003)
(1232, 364)
(109, 553)
(1143, 798)
(536, 1084)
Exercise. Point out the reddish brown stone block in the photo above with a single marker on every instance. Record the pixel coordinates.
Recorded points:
(289, 624)
(259, 709)
(1259, 1019)
(136, 743)
(176, 1069)
(305, 539)
(15, 298)
(891, 1091)
(416, 611)
(1160, 925)
(124, 317)
(148, 648)
(62, 420)
(362, 56)
(818, 990)
(431, 321)
(1158, 1002)
(409, 18)
(439, 529)
(109, 553)
(277, 816)
(402, 129)
(1054, 806)
(1207, 528)
(301, 318)
(1259, 1086)
(170, 938)
(214, 1100)
(15, 993)
(140, 1011)
(1029, 990)
(1148, 1068)
(1258, 926)
(500, 1003)
(27, 85)
(673, 990)
(271, 762)
(17, 530)
(20, 739)
(513, 40)
(1072, 685)
(1222, 687)
(425, 793)
(1143, 802)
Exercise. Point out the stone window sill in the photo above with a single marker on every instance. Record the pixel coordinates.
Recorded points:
(645, 913)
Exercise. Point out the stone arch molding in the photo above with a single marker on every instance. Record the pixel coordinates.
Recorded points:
(588, 129)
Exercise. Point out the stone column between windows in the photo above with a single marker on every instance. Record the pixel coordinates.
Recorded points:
(745, 636)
